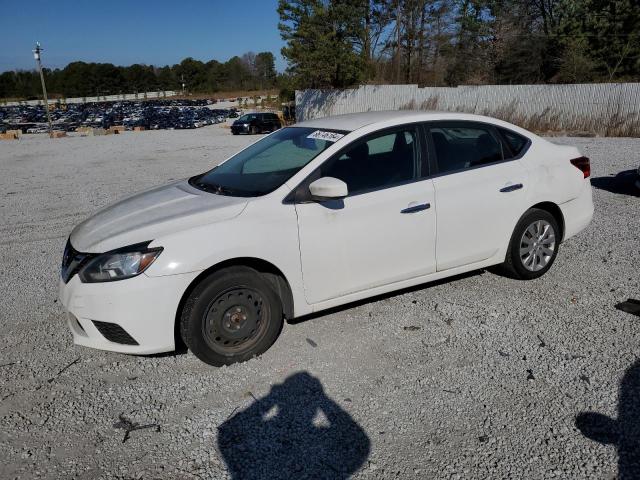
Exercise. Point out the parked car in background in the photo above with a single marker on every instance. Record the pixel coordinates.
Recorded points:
(320, 214)
(253, 123)
(638, 178)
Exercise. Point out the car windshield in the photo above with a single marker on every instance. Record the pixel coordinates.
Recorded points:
(247, 118)
(267, 164)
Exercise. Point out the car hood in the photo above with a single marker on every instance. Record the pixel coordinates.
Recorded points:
(149, 215)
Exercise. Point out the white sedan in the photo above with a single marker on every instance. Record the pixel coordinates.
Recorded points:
(316, 215)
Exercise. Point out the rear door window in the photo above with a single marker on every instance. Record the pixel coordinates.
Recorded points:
(464, 145)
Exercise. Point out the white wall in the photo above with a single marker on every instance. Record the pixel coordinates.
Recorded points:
(584, 107)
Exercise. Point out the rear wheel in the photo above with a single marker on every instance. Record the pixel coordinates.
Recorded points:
(534, 245)
(231, 316)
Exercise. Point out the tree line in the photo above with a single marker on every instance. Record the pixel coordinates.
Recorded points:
(79, 79)
(341, 43)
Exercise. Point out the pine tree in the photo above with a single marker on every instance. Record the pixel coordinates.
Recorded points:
(321, 40)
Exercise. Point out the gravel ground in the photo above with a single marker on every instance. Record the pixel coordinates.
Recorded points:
(474, 377)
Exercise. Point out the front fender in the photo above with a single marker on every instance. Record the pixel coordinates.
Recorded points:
(266, 231)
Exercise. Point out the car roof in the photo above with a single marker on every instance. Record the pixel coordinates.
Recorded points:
(353, 121)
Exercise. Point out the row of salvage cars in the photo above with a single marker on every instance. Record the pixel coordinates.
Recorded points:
(153, 115)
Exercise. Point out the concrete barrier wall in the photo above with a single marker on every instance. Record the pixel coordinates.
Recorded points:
(605, 109)
(101, 98)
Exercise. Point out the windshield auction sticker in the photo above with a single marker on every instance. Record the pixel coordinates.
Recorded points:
(328, 136)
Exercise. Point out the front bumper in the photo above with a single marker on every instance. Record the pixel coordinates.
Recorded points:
(144, 307)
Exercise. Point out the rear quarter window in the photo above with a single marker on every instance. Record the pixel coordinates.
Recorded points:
(517, 143)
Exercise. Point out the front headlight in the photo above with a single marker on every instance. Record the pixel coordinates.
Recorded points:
(119, 264)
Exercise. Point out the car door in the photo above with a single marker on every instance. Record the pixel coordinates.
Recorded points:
(268, 117)
(479, 191)
(383, 231)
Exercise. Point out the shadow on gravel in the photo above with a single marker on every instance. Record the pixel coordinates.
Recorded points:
(623, 183)
(296, 431)
(623, 432)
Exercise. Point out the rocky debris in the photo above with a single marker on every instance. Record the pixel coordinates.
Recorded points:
(449, 400)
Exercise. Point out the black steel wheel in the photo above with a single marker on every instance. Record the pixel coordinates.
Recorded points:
(231, 316)
(235, 320)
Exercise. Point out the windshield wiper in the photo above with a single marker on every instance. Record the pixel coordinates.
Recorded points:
(222, 190)
(213, 188)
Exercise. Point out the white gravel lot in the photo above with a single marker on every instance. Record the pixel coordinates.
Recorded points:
(479, 376)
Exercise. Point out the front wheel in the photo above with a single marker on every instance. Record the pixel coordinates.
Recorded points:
(231, 316)
(534, 245)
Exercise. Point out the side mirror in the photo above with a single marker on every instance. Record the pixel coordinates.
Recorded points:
(328, 188)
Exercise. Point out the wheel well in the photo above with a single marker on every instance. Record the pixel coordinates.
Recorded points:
(554, 210)
(270, 272)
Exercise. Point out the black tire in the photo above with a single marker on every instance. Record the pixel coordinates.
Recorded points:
(514, 264)
(231, 316)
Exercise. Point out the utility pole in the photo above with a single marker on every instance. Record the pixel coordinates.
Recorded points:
(399, 38)
(36, 55)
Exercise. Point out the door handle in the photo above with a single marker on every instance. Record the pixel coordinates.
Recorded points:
(511, 188)
(416, 208)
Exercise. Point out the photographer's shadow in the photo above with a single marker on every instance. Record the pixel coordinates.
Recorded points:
(624, 431)
(296, 431)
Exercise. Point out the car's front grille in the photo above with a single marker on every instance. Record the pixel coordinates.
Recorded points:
(114, 333)
(72, 261)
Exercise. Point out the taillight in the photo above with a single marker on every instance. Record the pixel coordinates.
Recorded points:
(583, 164)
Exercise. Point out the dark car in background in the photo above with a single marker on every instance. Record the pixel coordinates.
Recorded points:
(256, 123)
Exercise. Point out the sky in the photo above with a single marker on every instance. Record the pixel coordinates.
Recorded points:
(124, 32)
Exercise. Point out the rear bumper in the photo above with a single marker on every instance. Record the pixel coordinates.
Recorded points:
(577, 213)
(143, 307)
